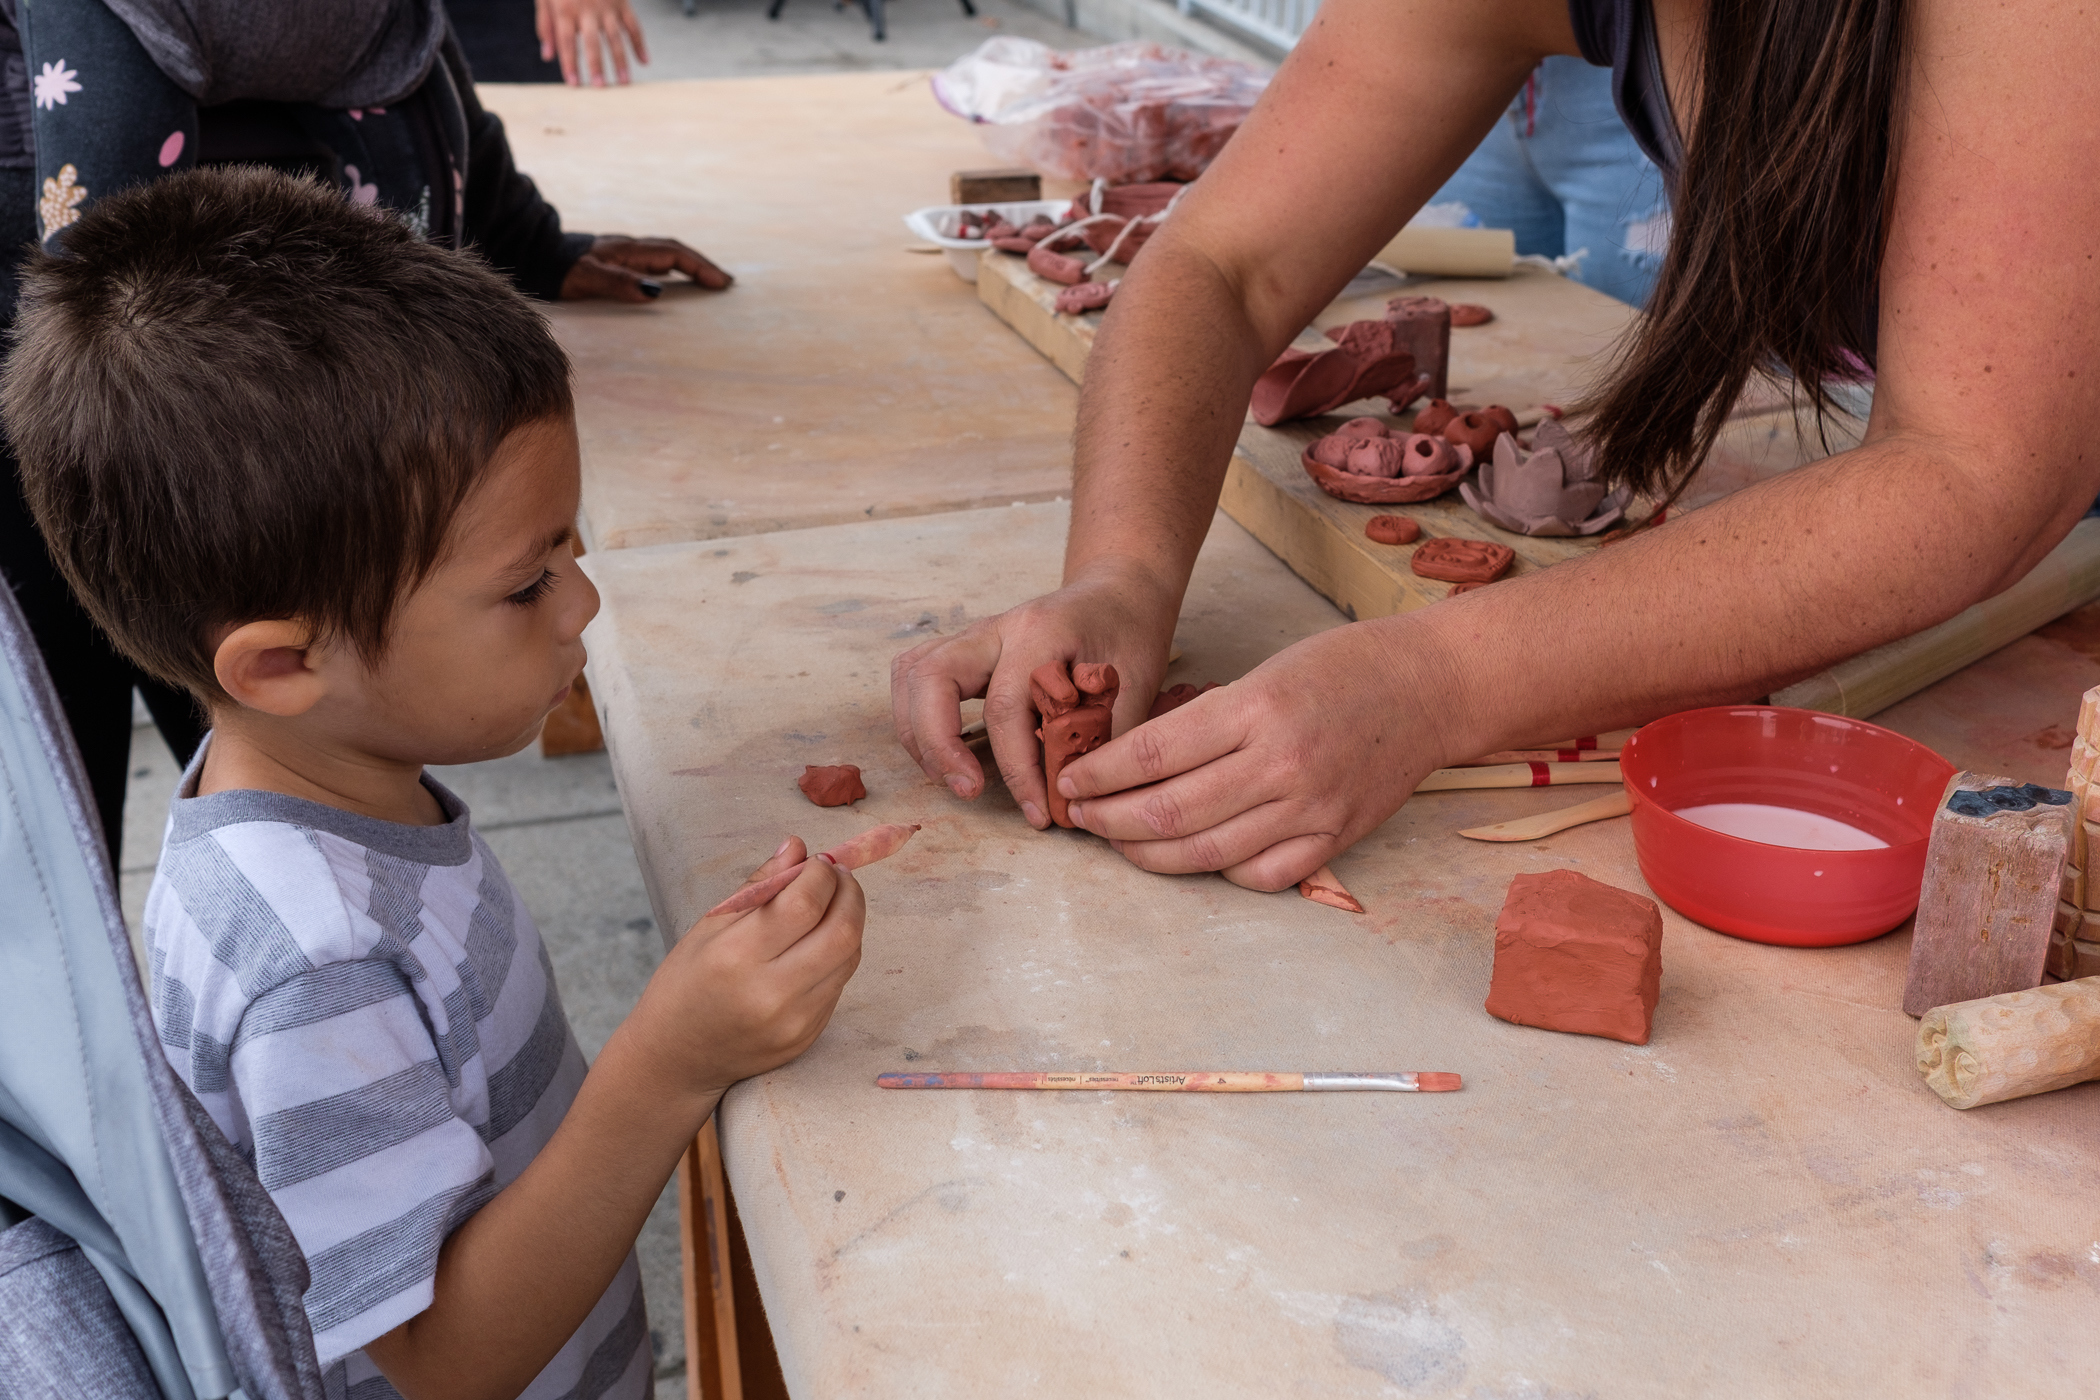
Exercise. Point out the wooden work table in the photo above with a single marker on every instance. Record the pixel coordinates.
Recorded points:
(1765, 1200)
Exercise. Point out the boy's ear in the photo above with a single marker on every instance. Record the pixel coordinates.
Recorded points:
(271, 665)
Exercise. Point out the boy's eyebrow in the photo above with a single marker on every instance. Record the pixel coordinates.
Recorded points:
(540, 549)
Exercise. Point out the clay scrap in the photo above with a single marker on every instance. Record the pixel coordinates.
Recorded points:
(1321, 887)
(1077, 710)
(1575, 954)
(1553, 490)
(1368, 463)
(1403, 356)
(1993, 871)
(1461, 561)
(1175, 696)
(833, 785)
(2013, 1044)
(1469, 313)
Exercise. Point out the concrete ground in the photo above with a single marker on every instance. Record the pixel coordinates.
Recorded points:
(733, 38)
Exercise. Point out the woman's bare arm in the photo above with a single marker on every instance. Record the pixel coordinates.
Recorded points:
(1978, 459)
(1380, 102)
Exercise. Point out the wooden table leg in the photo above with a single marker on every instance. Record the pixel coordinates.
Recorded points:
(728, 1346)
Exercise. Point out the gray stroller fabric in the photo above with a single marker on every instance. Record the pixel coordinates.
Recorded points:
(98, 1138)
(43, 1271)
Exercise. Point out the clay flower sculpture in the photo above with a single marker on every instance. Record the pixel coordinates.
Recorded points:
(1076, 710)
(1554, 490)
(1367, 463)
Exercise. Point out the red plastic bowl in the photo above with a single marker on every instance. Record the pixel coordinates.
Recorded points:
(1876, 780)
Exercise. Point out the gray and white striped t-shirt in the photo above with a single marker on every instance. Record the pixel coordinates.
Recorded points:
(367, 1011)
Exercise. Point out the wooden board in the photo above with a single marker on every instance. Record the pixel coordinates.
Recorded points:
(1547, 339)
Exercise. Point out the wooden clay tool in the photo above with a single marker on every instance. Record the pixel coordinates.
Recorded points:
(1508, 775)
(2012, 1044)
(1184, 1082)
(876, 843)
(1616, 804)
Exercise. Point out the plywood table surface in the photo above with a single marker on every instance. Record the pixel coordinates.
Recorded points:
(842, 378)
(1765, 1200)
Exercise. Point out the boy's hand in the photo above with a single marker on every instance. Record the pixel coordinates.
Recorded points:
(744, 993)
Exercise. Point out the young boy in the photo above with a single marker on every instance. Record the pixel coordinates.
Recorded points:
(323, 475)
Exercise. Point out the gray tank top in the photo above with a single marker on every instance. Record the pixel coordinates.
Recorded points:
(1620, 35)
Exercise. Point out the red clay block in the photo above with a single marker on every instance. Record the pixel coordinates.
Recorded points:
(1574, 954)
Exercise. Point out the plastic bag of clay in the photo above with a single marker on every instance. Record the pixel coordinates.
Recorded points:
(1124, 113)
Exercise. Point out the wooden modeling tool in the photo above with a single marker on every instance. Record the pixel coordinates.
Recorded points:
(876, 843)
(1544, 756)
(1509, 775)
(1184, 1082)
(1616, 804)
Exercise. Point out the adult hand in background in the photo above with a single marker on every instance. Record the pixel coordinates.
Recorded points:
(619, 268)
(598, 27)
(1273, 776)
(1119, 615)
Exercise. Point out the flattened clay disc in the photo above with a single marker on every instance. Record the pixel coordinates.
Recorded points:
(1392, 529)
(1461, 561)
(1468, 313)
(832, 786)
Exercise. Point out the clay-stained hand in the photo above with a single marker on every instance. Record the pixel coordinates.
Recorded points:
(600, 27)
(619, 268)
(744, 993)
(1271, 777)
(1116, 616)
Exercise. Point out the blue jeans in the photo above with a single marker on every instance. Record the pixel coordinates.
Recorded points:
(1561, 169)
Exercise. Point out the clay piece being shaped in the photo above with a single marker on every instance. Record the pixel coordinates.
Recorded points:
(1077, 711)
(1175, 696)
(1424, 324)
(1369, 358)
(876, 843)
(1479, 428)
(1575, 954)
(1055, 267)
(1453, 560)
(833, 785)
(1392, 529)
(1321, 887)
(1470, 313)
(1551, 491)
(1086, 296)
(1366, 463)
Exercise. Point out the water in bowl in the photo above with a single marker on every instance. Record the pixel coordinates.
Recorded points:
(1781, 826)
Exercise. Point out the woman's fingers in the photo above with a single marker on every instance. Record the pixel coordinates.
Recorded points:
(927, 688)
(1258, 847)
(1010, 719)
(1189, 737)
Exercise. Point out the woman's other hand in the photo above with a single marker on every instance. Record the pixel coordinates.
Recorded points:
(598, 27)
(619, 268)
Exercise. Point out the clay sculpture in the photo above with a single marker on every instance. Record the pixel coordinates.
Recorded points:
(832, 786)
(1575, 954)
(1553, 490)
(1392, 529)
(1434, 418)
(1365, 463)
(1076, 711)
(1454, 560)
(1175, 696)
(1479, 429)
(1468, 313)
(1084, 297)
(1425, 328)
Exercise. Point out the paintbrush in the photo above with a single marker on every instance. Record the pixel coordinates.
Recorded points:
(1183, 1082)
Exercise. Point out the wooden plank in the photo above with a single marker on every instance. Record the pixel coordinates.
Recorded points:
(711, 1363)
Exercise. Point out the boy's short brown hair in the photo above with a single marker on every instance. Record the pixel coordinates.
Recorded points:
(237, 396)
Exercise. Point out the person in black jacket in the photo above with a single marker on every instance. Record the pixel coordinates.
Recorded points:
(375, 99)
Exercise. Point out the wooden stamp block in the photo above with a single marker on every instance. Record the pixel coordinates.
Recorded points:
(2011, 1045)
(2058, 963)
(2072, 890)
(2084, 959)
(1993, 868)
(1010, 186)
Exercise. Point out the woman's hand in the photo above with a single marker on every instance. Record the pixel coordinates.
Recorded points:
(1271, 777)
(600, 26)
(619, 268)
(1114, 612)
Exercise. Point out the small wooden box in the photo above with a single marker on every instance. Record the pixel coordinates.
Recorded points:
(994, 186)
(1993, 871)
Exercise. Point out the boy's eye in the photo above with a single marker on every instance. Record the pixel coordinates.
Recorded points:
(532, 592)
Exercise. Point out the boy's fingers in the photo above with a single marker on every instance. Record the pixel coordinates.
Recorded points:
(833, 942)
(792, 852)
(788, 917)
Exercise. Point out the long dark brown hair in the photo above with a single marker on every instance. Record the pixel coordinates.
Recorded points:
(1780, 215)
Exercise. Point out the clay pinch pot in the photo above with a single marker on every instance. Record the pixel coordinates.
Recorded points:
(1084, 297)
(1450, 559)
(1366, 463)
(1479, 428)
(1555, 490)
